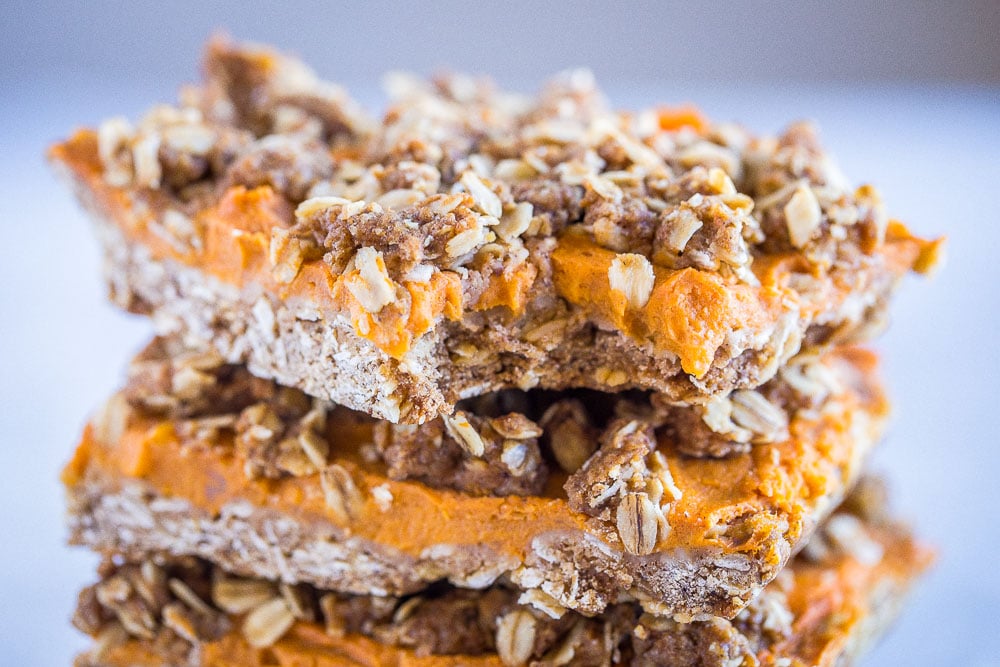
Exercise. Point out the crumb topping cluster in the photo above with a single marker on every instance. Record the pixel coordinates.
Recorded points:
(460, 177)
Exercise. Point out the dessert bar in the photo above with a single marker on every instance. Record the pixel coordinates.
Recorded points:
(473, 240)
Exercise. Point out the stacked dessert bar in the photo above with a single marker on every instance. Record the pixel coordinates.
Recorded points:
(491, 381)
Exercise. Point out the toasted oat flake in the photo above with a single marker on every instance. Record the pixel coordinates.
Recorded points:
(189, 138)
(400, 198)
(604, 187)
(268, 623)
(464, 433)
(465, 241)
(718, 416)
(637, 521)
(720, 181)
(315, 447)
(754, 412)
(189, 383)
(421, 273)
(808, 376)
(188, 596)
(114, 590)
(373, 289)
(802, 215)
(316, 205)
(680, 226)
(298, 600)
(848, 534)
(513, 170)
(632, 275)
(543, 602)
(180, 229)
(147, 162)
(342, 495)
(570, 446)
(113, 135)
(485, 199)
(112, 419)
(238, 596)
(514, 222)
(660, 470)
(515, 456)
(710, 155)
(564, 653)
(334, 625)
(516, 427)
(286, 254)
(515, 638)
(150, 582)
(179, 619)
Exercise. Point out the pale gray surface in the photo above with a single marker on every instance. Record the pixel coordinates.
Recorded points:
(933, 151)
(727, 40)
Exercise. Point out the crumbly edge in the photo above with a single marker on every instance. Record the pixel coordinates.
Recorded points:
(498, 444)
(620, 479)
(576, 570)
(326, 358)
(179, 605)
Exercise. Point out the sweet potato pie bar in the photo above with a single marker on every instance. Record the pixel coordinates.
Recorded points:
(485, 380)
(472, 240)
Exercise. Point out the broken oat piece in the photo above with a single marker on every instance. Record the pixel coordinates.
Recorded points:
(580, 499)
(474, 240)
(825, 609)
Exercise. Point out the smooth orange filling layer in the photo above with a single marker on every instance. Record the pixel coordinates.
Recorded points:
(689, 314)
(773, 488)
(305, 645)
(829, 604)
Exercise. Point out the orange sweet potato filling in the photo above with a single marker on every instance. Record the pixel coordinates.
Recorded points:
(672, 119)
(772, 487)
(305, 645)
(689, 313)
(236, 251)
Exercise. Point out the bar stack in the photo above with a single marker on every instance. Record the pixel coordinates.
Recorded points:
(493, 380)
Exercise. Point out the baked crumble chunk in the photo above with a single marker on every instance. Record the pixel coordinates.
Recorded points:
(472, 240)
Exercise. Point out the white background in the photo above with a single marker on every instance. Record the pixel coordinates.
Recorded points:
(932, 147)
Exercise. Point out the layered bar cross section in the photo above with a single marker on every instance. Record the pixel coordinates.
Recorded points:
(830, 603)
(582, 499)
(473, 240)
